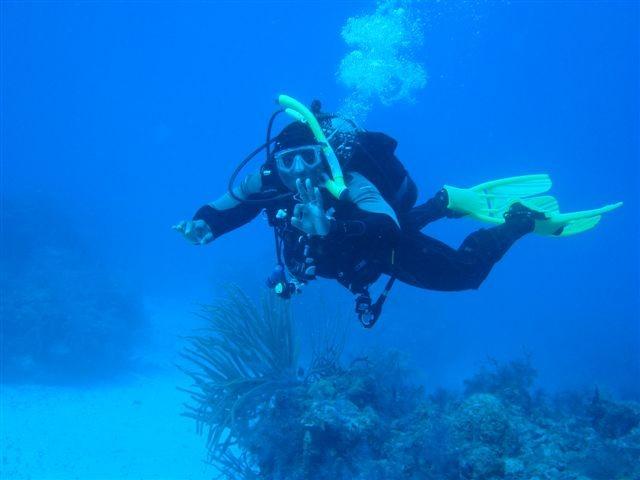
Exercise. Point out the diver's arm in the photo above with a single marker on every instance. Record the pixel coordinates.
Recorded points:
(228, 213)
(375, 226)
(371, 217)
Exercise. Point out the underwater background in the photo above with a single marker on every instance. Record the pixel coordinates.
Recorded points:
(120, 119)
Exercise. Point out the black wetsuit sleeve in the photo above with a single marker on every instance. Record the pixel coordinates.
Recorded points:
(223, 221)
(365, 224)
(227, 213)
(367, 216)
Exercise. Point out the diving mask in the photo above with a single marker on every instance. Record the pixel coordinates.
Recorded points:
(300, 163)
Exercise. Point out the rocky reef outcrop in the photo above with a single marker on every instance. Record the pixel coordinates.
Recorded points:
(366, 419)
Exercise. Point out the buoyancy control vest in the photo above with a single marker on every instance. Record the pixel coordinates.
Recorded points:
(373, 156)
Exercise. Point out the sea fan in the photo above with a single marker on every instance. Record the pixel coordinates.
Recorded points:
(238, 362)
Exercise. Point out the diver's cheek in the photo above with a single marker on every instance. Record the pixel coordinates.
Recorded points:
(318, 176)
(288, 181)
(291, 184)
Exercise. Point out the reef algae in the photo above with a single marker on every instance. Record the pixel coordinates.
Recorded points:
(366, 419)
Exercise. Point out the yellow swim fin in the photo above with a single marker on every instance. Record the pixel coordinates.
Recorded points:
(565, 224)
(489, 201)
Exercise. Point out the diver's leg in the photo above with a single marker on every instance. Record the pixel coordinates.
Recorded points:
(425, 262)
(433, 209)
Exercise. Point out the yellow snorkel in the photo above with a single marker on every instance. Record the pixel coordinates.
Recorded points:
(299, 112)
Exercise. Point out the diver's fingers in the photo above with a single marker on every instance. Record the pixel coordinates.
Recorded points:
(301, 190)
(207, 238)
(188, 228)
(298, 210)
(179, 226)
(317, 197)
(309, 188)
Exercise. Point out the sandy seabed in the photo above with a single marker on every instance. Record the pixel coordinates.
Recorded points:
(129, 431)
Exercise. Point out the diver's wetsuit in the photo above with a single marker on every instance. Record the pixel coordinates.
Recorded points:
(358, 248)
(425, 262)
(368, 239)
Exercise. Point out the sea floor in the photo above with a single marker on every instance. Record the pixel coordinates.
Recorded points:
(130, 431)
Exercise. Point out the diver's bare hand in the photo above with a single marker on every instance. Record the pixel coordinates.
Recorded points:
(309, 215)
(195, 231)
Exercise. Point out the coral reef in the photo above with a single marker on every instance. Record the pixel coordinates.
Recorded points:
(65, 317)
(366, 419)
(242, 360)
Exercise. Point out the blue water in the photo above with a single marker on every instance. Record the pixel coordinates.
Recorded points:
(126, 118)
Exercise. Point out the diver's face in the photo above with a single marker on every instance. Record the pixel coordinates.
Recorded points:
(300, 163)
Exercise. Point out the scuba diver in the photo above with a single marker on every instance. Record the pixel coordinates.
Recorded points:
(343, 207)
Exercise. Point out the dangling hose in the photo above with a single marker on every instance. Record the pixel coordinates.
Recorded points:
(266, 145)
